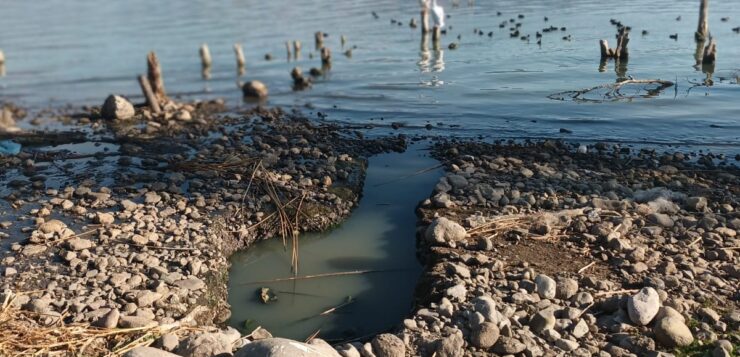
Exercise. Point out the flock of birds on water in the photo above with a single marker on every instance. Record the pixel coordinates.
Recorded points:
(515, 24)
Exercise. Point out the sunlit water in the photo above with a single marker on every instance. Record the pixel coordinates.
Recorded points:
(61, 51)
(379, 236)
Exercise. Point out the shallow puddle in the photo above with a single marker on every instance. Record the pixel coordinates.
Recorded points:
(379, 236)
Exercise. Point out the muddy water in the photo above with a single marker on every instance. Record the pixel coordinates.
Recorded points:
(379, 235)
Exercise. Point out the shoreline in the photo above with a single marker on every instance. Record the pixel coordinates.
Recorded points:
(473, 284)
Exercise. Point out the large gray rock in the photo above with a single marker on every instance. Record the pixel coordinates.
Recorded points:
(643, 306)
(282, 347)
(388, 345)
(148, 352)
(450, 346)
(672, 332)
(117, 107)
(443, 230)
(209, 344)
(546, 287)
(486, 306)
(484, 335)
(542, 320)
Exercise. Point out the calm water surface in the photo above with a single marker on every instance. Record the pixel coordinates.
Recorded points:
(62, 51)
(380, 235)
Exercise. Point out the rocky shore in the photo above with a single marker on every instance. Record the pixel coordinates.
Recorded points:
(539, 250)
(138, 240)
(530, 249)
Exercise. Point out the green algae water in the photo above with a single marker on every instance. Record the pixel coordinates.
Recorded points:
(379, 235)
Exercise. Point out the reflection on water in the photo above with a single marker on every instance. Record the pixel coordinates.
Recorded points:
(380, 235)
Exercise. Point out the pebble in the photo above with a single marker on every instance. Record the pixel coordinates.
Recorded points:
(671, 332)
(546, 287)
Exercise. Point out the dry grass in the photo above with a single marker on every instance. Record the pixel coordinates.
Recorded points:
(25, 333)
(501, 225)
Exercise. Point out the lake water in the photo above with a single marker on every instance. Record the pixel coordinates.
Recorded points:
(379, 236)
(62, 51)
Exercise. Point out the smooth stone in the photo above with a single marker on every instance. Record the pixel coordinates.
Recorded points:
(672, 332)
(484, 335)
(148, 352)
(643, 306)
(546, 287)
(117, 107)
(508, 346)
(443, 230)
(450, 346)
(209, 344)
(283, 347)
(109, 320)
(255, 89)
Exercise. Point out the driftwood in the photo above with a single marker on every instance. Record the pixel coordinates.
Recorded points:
(613, 91)
(702, 31)
(154, 72)
(621, 50)
(151, 99)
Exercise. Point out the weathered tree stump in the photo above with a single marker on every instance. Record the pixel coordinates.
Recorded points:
(240, 62)
(621, 50)
(319, 38)
(296, 49)
(326, 56)
(151, 99)
(154, 73)
(702, 31)
(205, 56)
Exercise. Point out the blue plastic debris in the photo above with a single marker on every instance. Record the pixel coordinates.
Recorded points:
(9, 147)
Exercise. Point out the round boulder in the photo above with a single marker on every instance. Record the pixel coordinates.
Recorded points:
(443, 230)
(255, 89)
(117, 107)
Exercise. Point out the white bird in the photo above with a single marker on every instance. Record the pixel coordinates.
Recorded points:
(438, 12)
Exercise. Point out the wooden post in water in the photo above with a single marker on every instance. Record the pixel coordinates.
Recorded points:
(154, 73)
(702, 31)
(424, 20)
(319, 38)
(240, 62)
(2, 57)
(604, 44)
(287, 49)
(205, 56)
(296, 49)
(326, 56)
(151, 99)
(343, 40)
